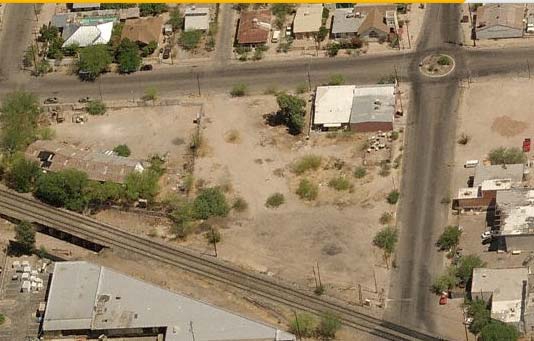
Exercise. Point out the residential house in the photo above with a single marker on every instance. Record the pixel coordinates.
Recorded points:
(374, 26)
(87, 35)
(498, 21)
(358, 108)
(506, 290)
(99, 166)
(514, 219)
(308, 20)
(86, 300)
(345, 23)
(143, 30)
(196, 18)
(254, 28)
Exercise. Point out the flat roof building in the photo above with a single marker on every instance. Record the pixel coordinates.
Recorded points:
(196, 18)
(91, 299)
(514, 172)
(308, 20)
(506, 289)
(497, 21)
(346, 22)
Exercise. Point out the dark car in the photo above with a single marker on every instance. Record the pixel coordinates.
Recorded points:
(51, 100)
(146, 67)
(167, 52)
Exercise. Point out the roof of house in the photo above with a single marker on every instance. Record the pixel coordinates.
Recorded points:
(60, 20)
(143, 30)
(82, 6)
(196, 18)
(333, 105)
(509, 15)
(129, 13)
(254, 27)
(345, 21)
(373, 104)
(506, 286)
(374, 19)
(98, 166)
(309, 18)
(87, 35)
(514, 197)
(85, 296)
(483, 172)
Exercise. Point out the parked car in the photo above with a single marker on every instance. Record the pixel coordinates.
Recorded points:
(489, 234)
(147, 67)
(167, 52)
(51, 100)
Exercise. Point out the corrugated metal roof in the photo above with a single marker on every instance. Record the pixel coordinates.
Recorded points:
(492, 172)
(90, 35)
(121, 302)
(373, 104)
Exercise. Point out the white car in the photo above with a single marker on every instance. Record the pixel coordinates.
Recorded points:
(485, 235)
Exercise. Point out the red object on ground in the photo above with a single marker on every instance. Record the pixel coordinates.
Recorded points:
(526, 145)
(443, 299)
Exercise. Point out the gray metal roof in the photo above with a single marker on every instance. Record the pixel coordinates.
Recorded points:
(373, 104)
(80, 5)
(345, 21)
(492, 172)
(82, 291)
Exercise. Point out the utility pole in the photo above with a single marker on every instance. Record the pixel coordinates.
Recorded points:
(408, 35)
(191, 330)
(298, 325)
(319, 275)
(528, 67)
(198, 85)
(374, 276)
(360, 294)
(315, 278)
(398, 88)
(309, 78)
(214, 240)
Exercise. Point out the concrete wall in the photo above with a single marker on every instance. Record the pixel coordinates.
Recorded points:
(498, 32)
(371, 126)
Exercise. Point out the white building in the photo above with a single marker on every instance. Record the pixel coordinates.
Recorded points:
(88, 35)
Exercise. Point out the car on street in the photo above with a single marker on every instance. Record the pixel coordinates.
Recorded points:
(51, 100)
(167, 52)
(146, 67)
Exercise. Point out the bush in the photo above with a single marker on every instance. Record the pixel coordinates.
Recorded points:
(93, 61)
(336, 79)
(240, 204)
(63, 189)
(22, 174)
(189, 40)
(394, 135)
(502, 155)
(303, 325)
(464, 139)
(360, 172)
(307, 190)
(306, 163)
(450, 238)
(497, 331)
(25, 235)
(386, 239)
(239, 90)
(292, 111)
(142, 185)
(19, 115)
(96, 107)
(465, 267)
(46, 133)
(2, 319)
(444, 282)
(339, 183)
(332, 49)
(182, 218)
(481, 315)
(175, 19)
(301, 89)
(122, 150)
(385, 218)
(275, 200)
(210, 202)
(152, 9)
(151, 94)
(393, 197)
(444, 60)
(328, 326)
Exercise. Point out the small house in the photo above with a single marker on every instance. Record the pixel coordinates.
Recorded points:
(308, 20)
(499, 21)
(197, 18)
(254, 28)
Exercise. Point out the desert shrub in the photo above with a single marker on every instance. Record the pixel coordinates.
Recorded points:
(450, 238)
(339, 183)
(393, 197)
(444, 60)
(151, 94)
(385, 218)
(394, 135)
(303, 325)
(239, 204)
(189, 40)
(464, 139)
(307, 190)
(336, 79)
(182, 218)
(328, 326)
(275, 200)
(360, 172)
(444, 282)
(122, 150)
(210, 202)
(96, 107)
(238, 90)
(307, 163)
(502, 155)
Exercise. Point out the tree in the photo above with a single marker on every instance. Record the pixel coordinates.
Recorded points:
(128, 56)
(96, 107)
(328, 325)
(393, 197)
(386, 239)
(445, 281)
(71, 50)
(465, 267)
(122, 150)
(303, 325)
(291, 113)
(210, 202)
(332, 49)
(149, 48)
(449, 238)
(22, 174)
(152, 9)
(189, 40)
(176, 19)
(498, 331)
(2, 319)
(142, 185)
(20, 111)
(98, 194)
(25, 236)
(48, 33)
(502, 155)
(321, 35)
(182, 217)
(63, 189)
(93, 61)
(480, 313)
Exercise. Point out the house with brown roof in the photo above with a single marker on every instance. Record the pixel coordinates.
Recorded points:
(143, 30)
(499, 21)
(99, 166)
(374, 25)
(254, 28)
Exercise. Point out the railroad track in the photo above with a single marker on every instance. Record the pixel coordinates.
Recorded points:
(17, 206)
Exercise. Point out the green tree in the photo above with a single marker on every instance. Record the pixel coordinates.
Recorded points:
(20, 111)
(71, 50)
(499, 331)
(142, 185)
(465, 267)
(321, 35)
(502, 155)
(480, 313)
(96, 107)
(182, 218)
(328, 325)
(152, 9)
(189, 40)
(292, 111)
(386, 239)
(210, 202)
(122, 150)
(149, 48)
(445, 281)
(48, 33)
(393, 197)
(22, 174)
(333, 49)
(175, 19)
(450, 238)
(303, 325)
(25, 235)
(63, 189)
(98, 194)
(93, 61)
(128, 56)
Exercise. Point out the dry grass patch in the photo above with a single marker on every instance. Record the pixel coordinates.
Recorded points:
(232, 136)
(307, 163)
